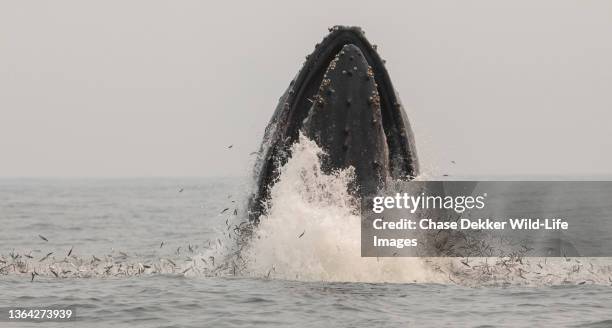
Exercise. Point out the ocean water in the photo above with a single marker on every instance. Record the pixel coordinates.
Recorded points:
(163, 253)
(134, 216)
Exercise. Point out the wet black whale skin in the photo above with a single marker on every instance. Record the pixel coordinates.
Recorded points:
(343, 98)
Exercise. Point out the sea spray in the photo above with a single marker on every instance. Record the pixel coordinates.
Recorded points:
(311, 230)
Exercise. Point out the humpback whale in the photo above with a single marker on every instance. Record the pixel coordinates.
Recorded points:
(343, 99)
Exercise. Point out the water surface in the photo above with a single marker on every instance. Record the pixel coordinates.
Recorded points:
(134, 216)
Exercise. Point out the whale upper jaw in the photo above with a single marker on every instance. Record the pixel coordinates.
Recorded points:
(343, 99)
(345, 120)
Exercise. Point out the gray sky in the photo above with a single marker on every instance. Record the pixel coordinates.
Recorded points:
(161, 88)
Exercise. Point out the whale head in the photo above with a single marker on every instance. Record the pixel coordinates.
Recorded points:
(343, 99)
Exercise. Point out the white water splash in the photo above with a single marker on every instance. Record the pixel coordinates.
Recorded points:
(312, 229)
(312, 232)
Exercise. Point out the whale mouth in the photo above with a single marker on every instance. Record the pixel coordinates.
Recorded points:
(342, 98)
